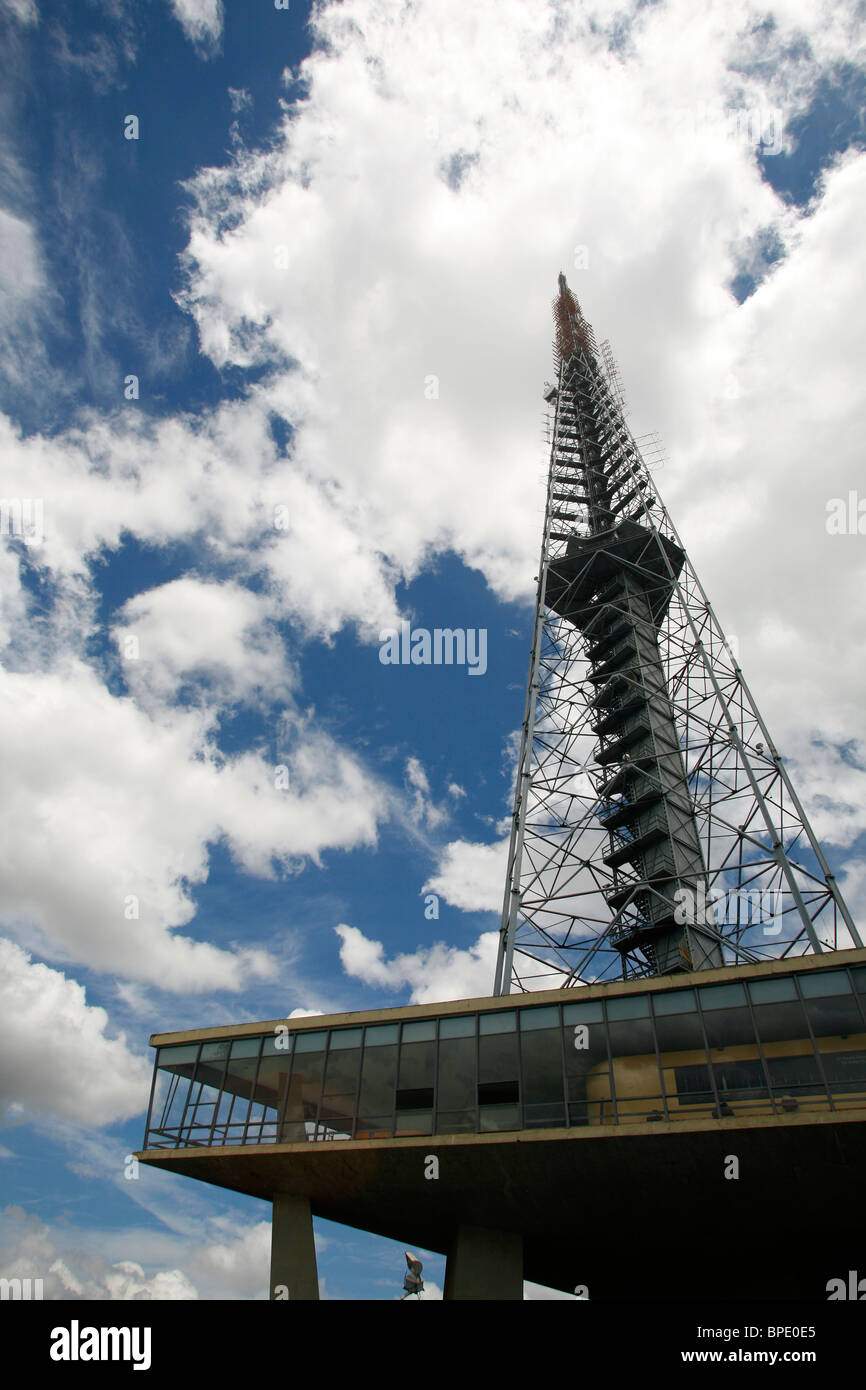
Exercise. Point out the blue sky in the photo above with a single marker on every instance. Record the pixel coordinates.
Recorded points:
(328, 259)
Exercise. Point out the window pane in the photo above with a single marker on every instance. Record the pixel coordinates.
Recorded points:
(632, 1006)
(457, 1074)
(422, 1031)
(341, 1075)
(541, 1059)
(679, 1033)
(729, 1028)
(497, 1057)
(496, 1118)
(461, 1027)
(587, 1071)
(381, 1034)
(505, 1021)
(782, 1022)
(545, 1017)
(378, 1084)
(771, 991)
(345, 1037)
(679, 1001)
(722, 996)
(845, 1071)
(417, 1063)
(820, 982)
(637, 1083)
(302, 1098)
(834, 1015)
(177, 1056)
(590, 1012)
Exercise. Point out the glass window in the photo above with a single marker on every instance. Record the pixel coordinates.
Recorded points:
(199, 1114)
(772, 991)
(845, 1071)
(730, 1028)
(678, 1001)
(174, 1102)
(345, 1037)
(820, 982)
(782, 1021)
(461, 1027)
(721, 997)
(590, 1012)
(417, 1065)
(740, 1079)
(637, 1084)
(586, 1069)
(272, 1090)
(691, 1085)
(497, 1117)
(341, 1074)
(457, 1098)
(378, 1086)
(497, 1058)
(504, 1021)
(680, 1032)
(545, 1017)
(631, 1006)
(834, 1015)
(310, 1042)
(422, 1031)
(212, 1063)
(381, 1034)
(177, 1057)
(305, 1083)
(498, 1091)
(794, 1077)
(542, 1079)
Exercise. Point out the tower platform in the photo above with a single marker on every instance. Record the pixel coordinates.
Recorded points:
(682, 1137)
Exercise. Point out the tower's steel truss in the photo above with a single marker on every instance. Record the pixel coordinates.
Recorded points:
(655, 828)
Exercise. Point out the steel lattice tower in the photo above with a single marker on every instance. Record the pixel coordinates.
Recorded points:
(655, 828)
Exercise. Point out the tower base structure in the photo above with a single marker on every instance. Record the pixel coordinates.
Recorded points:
(697, 1136)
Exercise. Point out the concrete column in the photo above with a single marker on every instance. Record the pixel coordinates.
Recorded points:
(482, 1263)
(293, 1251)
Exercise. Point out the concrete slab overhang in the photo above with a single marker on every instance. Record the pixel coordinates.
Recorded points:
(649, 1210)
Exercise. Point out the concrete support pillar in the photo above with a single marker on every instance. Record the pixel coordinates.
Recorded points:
(293, 1252)
(484, 1264)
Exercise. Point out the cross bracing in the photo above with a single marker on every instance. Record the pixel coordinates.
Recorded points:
(656, 828)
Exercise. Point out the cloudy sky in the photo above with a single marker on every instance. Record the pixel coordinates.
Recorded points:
(275, 295)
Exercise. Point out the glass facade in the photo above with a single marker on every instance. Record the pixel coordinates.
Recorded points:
(761, 1046)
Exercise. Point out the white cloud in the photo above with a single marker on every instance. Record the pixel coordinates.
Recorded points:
(217, 634)
(422, 810)
(20, 263)
(101, 850)
(202, 21)
(221, 1258)
(354, 249)
(435, 973)
(55, 1057)
(471, 876)
(23, 10)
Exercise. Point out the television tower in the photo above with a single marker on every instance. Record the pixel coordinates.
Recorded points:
(655, 826)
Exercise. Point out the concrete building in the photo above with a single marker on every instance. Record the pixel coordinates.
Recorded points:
(678, 1136)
